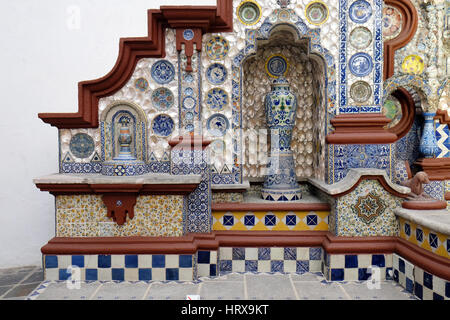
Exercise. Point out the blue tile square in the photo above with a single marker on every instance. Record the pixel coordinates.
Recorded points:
(251, 265)
(158, 261)
(302, 266)
(409, 285)
(228, 220)
(238, 253)
(172, 274)
(290, 254)
(351, 261)
(145, 274)
(315, 253)
(291, 220)
(337, 274)
(78, 261)
(131, 261)
(428, 280)
(419, 235)
(64, 274)
(389, 274)
(203, 256)
(363, 274)
(92, 274)
(263, 253)
(213, 270)
(270, 220)
(104, 261)
(276, 266)
(437, 296)
(249, 220)
(447, 289)
(118, 274)
(407, 229)
(185, 261)
(433, 240)
(418, 290)
(378, 260)
(401, 265)
(311, 220)
(225, 265)
(51, 261)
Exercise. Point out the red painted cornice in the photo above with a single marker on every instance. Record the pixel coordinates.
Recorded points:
(209, 18)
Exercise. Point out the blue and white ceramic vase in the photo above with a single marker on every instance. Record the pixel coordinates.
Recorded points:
(124, 141)
(280, 183)
(428, 144)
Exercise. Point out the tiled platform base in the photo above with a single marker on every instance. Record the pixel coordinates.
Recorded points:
(415, 280)
(352, 267)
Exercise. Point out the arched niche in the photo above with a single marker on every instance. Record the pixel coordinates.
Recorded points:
(307, 77)
(110, 123)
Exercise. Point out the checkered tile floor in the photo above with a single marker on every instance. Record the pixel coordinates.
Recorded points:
(232, 286)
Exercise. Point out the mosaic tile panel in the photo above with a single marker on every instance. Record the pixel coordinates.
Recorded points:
(221, 197)
(357, 267)
(284, 260)
(85, 216)
(271, 220)
(425, 238)
(349, 217)
(136, 267)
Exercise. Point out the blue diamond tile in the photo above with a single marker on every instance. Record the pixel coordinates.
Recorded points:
(263, 253)
(238, 253)
(351, 261)
(185, 261)
(433, 239)
(78, 261)
(419, 235)
(276, 266)
(204, 256)
(270, 220)
(251, 265)
(51, 261)
(104, 261)
(145, 274)
(407, 229)
(337, 274)
(249, 220)
(315, 253)
(131, 261)
(290, 254)
(91, 274)
(228, 220)
(378, 260)
(311, 220)
(172, 274)
(428, 280)
(418, 290)
(118, 274)
(291, 220)
(158, 261)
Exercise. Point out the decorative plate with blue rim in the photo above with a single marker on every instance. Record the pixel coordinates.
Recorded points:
(82, 145)
(277, 65)
(360, 64)
(188, 91)
(217, 48)
(188, 34)
(163, 125)
(217, 125)
(216, 73)
(189, 102)
(141, 84)
(189, 116)
(162, 99)
(163, 71)
(216, 99)
(360, 11)
(249, 12)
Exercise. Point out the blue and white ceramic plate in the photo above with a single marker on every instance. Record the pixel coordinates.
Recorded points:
(162, 99)
(189, 103)
(276, 65)
(216, 99)
(217, 48)
(217, 125)
(163, 125)
(360, 11)
(82, 145)
(188, 34)
(360, 64)
(163, 71)
(216, 73)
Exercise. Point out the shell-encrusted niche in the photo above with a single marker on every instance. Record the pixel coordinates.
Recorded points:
(305, 77)
(123, 127)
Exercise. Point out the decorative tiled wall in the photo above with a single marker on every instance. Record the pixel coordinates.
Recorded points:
(271, 220)
(207, 263)
(85, 216)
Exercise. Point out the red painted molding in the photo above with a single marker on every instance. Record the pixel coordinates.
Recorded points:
(237, 206)
(142, 189)
(208, 18)
(189, 141)
(409, 28)
(442, 116)
(438, 169)
(362, 128)
(191, 243)
(120, 205)
(408, 113)
(424, 205)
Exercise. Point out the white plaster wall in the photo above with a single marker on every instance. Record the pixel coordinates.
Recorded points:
(44, 54)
